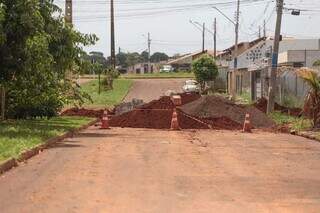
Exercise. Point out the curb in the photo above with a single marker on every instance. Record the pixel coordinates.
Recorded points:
(311, 137)
(24, 156)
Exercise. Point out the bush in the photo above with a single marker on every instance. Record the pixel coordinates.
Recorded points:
(205, 69)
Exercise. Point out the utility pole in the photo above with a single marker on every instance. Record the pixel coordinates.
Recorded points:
(68, 12)
(149, 53)
(203, 36)
(215, 37)
(273, 75)
(235, 56)
(264, 29)
(259, 31)
(113, 50)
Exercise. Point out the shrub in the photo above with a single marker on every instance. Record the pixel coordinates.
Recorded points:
(205, 69)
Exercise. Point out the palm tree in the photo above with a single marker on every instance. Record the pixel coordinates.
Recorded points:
(312, 103)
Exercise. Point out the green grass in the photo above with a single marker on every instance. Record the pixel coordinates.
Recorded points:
(106, 98)
(159, 75)
(295, 123)
(18, 136)
(244, 98)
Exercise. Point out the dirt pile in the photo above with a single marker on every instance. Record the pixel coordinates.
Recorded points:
(157, 114)
(163, 103)
(262, 105)
(189, 97)
(216, 108)
(155, 119)
(83, 112)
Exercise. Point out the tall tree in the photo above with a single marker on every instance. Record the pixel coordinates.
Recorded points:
(158, 56)
(37, 56)
(144, 56)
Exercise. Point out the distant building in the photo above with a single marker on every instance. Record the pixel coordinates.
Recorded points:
(143, 68)
(299, 58)
(184, 62)
(254, 61)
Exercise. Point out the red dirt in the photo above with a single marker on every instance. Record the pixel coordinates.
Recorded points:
(163, 103)
(83, 112)
(223, 123)
(262, 104)
(217, 107)
(158, 114)
(189, 97)
(159, 119)
(155, 119)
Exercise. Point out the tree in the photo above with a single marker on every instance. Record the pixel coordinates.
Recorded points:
(312, 103)
(133, 58)
(205, 69)
(144, 56)
(316, 63)
(157, 57)
(99, 58)
(39, 55)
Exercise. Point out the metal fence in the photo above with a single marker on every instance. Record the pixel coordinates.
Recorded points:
(291, 90)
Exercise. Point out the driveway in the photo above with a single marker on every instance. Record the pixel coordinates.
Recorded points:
(151, 89)
(153, 171)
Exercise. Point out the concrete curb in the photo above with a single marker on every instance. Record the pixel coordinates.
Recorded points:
(24, 156)
(311, 137)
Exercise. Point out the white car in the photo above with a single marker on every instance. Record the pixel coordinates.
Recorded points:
(166, 68)
(191, 86)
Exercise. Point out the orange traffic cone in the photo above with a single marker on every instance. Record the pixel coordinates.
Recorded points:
(247, 127)
(174, 122)
(105, 120)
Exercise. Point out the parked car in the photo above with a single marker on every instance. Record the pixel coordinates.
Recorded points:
(191, 86)
(167, 68)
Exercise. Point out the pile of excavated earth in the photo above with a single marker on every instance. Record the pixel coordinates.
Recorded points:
(195, 112)
(213, 107)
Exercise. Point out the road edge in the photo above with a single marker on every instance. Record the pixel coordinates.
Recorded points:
(27, 154)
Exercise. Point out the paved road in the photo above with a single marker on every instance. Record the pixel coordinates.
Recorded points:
(152, 171)
(151, 89)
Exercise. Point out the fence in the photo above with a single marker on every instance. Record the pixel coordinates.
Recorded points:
(292, 90)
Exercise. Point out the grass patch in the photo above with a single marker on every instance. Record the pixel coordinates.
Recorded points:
(106, 98)
(244, 98)
(295, 123)
(159, 75)
(21, 135)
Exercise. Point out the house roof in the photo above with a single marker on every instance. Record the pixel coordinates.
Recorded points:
(186, 57)
(250, 44)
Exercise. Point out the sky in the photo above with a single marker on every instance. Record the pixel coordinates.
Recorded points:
(168, 22)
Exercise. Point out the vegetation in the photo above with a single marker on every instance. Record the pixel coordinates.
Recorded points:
(295, 123)
(39, 53)
(106, 98)
(18, 136)
(312, 104)
(316, 63)
(205, 69)
(158, 75)
(125, 60)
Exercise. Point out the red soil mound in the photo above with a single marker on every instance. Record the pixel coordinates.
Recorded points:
(217, 107)
(223, 123)
(155, 119)
(83, 112)
(163, 103)
(189, 97)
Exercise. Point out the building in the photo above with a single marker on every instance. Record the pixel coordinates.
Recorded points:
(184, 62)
(254, 62)
(299, 58)
(142, 68)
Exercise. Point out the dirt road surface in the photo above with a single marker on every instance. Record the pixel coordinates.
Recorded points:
(152, 171)
(151, 89)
